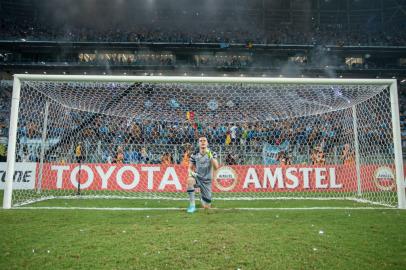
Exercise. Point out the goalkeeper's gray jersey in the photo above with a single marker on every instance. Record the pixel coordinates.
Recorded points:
(203, 165)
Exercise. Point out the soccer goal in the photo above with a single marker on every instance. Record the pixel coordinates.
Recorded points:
(275, 138)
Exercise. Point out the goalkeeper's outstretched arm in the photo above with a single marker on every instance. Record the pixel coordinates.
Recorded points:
(215, 164)
(191, 171)
(213, 159)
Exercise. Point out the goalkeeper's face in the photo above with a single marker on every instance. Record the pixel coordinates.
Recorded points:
(203, 143)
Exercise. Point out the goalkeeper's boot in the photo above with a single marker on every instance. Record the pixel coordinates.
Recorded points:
(191, 209)
(205, 205)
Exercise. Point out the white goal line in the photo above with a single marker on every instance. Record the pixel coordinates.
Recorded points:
(382, 205)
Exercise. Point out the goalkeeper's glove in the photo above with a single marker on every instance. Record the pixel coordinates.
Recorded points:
(209, 153)
(192, 174)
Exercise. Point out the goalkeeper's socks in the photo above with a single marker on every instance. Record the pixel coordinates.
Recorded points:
(191, 193)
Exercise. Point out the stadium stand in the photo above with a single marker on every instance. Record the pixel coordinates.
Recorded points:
(282, 34)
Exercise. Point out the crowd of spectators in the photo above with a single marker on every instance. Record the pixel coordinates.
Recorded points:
(221, 33)
(5, 107)
(29, 30)
(165, 59)
(135, 140)
(402, 109)
(224, 61)
(117, 137)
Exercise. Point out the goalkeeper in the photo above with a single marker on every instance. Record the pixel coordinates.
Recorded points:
(201, 170)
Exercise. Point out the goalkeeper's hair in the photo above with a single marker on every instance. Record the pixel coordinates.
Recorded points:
(202, 134)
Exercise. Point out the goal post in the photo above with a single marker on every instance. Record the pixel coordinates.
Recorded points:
(400, 177)
(277, 138)
(12, 140)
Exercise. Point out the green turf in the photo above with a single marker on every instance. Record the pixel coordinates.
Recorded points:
(216, 239)
(386, 198)
(77, 201)
(138, 203)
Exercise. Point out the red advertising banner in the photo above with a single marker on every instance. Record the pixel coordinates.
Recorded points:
(124, 177)
(239, 178)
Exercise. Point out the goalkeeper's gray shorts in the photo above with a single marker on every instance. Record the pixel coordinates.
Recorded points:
(205, 189)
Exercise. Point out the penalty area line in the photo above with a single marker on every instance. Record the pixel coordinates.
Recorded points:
(216, 209)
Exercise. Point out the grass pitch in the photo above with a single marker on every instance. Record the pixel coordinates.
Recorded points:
(222, 238)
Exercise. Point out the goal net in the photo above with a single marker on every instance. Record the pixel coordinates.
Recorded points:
(132, 137)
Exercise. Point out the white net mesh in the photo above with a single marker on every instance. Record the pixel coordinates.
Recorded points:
(134, 140)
